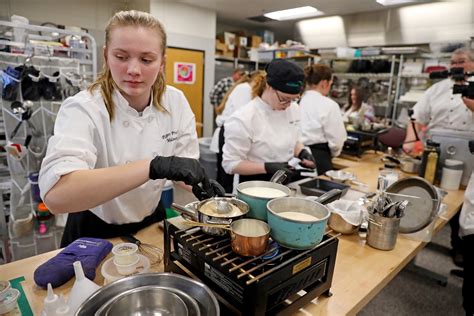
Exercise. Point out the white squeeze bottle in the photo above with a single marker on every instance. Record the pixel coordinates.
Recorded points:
(51, 302)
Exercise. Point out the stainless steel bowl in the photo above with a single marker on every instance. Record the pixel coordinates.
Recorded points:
(147, 301)
(410, 165)
(338, 224)
(99, 302)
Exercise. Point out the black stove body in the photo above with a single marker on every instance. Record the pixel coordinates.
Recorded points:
(265, 285)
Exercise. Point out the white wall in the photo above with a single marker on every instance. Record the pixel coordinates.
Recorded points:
(193, 28)
(451, 20)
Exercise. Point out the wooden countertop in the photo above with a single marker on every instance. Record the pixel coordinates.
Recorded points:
(360, 273)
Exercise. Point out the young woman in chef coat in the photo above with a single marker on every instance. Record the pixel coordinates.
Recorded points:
(357, 110)
(322, 128)
(239, 95)
(115, 144)
(263, 135)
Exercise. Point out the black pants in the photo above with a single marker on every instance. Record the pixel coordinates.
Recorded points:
(455, 240)
(468, 284)
(87, 224)
(225, 179)
(322, 155)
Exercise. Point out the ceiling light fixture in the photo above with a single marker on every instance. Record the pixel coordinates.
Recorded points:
(395, 2)
(295, 13)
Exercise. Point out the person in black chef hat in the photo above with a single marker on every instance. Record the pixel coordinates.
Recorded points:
(262, 136)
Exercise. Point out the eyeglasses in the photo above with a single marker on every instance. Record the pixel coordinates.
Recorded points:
(458, 62)
(286, 101)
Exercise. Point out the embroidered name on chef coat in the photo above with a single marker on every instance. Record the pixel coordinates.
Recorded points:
(170, 136)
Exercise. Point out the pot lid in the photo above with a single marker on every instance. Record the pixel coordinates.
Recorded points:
(423, 202)
(223, 207)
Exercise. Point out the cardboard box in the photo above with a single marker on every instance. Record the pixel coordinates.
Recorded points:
(254, 41)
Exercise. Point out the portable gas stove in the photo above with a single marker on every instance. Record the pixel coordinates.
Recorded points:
(268, 284)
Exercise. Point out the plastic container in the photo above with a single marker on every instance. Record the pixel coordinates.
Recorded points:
(127, 268)
(45, 242)
(125, 253)
(35, 192)
(386, 178)
(110, 273)
(8, 301)
(4, 287)
(452, 174)
(23, 247)
(382, 232)
(167, 198)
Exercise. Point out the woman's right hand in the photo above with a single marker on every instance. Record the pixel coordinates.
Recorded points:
(174, 168)
(187, 170)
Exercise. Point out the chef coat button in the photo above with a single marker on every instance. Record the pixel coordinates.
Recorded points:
(451, 110)
(150, 119)
(463, 123)
(128, 161)
(126, 123)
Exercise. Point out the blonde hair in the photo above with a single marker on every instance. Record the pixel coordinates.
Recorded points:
(259, 83)
(105, 81)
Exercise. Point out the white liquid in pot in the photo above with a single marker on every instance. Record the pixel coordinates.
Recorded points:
(299, 216)
(264, 192)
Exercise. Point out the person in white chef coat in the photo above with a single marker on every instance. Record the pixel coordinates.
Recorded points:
(239, 95)
(115, 144)
(263, 135)
(322, 127)
(440, 108)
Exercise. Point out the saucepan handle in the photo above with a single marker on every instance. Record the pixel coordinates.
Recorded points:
(329, 196)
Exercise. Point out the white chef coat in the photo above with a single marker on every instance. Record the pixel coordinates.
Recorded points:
(321, 122)
(256, 132)
(241, 95)
(85, 138)
(466, 217)
(440, 108)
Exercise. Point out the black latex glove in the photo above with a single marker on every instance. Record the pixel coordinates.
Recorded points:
(173, 168)
(306, 155)
(208, 189)
(272, 167)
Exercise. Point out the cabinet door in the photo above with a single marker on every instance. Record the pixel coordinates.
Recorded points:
(185, 71)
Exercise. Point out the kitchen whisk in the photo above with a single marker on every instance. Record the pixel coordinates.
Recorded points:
(154, 253)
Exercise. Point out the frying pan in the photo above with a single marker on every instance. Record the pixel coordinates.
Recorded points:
(423, 205)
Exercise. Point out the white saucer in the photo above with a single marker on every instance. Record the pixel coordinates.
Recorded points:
(111, 274)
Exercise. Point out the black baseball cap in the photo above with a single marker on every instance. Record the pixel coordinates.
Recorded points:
(285, 76)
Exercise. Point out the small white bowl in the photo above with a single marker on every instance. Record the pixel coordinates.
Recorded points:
(126, 269)
(125, 253)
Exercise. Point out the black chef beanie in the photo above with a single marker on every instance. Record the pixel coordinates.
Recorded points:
(285, 76)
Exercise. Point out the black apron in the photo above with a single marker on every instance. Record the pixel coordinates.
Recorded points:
(322, 155)
(225, 179)
(87, 224)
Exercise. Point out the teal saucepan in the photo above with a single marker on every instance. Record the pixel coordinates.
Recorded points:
(299, 223)
(257, 194)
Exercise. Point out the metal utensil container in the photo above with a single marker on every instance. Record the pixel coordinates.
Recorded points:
(382, 232)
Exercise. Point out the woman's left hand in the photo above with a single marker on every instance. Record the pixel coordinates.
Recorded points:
(307, 160)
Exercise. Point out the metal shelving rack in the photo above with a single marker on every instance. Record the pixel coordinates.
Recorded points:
(76, 67)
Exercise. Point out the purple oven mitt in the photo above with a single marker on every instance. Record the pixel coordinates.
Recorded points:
(59, 269)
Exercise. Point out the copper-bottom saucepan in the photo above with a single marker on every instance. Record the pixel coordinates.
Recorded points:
(248, 236)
